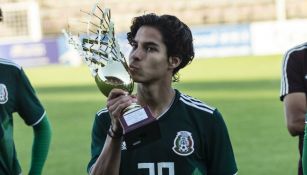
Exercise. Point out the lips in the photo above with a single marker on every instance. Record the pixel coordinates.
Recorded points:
(133, 67)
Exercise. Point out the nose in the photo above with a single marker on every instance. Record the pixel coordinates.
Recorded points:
(136, 54)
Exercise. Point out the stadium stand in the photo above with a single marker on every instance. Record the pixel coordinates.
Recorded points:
(54, 14)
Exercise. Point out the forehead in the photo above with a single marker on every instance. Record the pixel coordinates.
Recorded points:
(148, 34)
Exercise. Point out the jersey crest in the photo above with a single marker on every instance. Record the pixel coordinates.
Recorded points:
(183, 143)
(3, 94)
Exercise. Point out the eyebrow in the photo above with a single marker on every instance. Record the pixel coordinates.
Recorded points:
(148, 43)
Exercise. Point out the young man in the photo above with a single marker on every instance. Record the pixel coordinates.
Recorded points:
(293, 93)
(194, 136)
(17, 95)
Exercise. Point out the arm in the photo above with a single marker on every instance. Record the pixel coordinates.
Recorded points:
(108, 162)
(33, 113)
(42, 137)
(295, 110)
(293, 90)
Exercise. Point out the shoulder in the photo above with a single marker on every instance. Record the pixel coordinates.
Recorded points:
(9, 64)
(297, 48)
(199, 111)
(101, 121)
(297, 52)
(102, 115)
(102, 111)
(196, 104)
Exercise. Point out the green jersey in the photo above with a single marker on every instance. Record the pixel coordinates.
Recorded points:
(194, 141)
(16, 95)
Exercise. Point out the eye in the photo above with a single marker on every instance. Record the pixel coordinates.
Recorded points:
(150, 49)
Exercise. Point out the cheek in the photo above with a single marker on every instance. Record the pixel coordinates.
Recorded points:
(129, 58)
(158, 66)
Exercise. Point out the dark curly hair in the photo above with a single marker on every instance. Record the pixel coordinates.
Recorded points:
(177, 37)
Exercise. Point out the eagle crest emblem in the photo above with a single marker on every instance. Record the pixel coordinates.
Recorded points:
(183, 143)
(3, 94)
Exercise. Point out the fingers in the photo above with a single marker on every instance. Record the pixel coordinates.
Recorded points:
(116, 92)
(118, 104)
(117, 101)
(133, 96)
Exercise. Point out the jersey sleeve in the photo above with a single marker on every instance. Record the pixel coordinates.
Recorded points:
(28, 104)
(221, 156)
(292, 79)
(99, 134)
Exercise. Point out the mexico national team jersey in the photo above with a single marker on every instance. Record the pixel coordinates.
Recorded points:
(16, 95)
(194, 141)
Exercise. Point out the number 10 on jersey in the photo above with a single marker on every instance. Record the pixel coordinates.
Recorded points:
(169, 166)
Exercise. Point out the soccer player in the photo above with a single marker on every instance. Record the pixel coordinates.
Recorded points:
(194, 138)
(17, 95)
(293, 93)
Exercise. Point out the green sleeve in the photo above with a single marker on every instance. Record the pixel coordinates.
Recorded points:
(99, 134)
(28, 106)
(42, 138)
(220, 152)
(304, 158)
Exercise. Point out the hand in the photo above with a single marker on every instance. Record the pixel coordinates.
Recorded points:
(118, 100)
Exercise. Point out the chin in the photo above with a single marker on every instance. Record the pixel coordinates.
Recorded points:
(136, 77)
(137, 80)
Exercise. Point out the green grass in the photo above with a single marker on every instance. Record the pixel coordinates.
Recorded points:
(244, 89)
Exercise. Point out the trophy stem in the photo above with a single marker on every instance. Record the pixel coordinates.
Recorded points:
(131, 108)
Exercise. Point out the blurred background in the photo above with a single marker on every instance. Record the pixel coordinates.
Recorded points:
(31, 32)
(238, 44)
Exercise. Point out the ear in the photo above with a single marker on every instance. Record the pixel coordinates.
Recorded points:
(174, 62)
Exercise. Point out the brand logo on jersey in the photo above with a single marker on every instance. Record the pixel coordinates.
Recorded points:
(183, 143)
(3, 94)
(123, 146)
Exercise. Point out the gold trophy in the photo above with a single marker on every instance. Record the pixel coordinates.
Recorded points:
(100, 50)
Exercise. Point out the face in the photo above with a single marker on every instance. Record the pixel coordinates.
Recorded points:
(148, 59)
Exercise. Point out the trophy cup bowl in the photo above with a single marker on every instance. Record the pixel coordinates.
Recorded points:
(100, 51)
(113, 75)
(105, 87)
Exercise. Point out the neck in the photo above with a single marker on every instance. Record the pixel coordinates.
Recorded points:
(158, 98)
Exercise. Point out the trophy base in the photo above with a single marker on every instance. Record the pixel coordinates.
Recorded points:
(139, 127)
